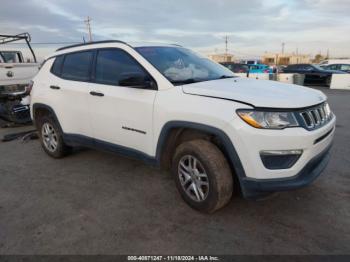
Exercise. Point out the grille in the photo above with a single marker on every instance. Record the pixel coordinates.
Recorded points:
(317, 116)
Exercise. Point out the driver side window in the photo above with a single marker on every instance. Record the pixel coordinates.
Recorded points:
(116, 67)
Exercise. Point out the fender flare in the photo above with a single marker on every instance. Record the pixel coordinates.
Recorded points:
(231, 152)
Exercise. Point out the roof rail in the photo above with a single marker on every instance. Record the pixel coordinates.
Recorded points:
(91, 43)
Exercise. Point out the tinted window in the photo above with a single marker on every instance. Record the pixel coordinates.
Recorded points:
(299, 67)
(307, 68)
(333, 67)
(114, 65)
(291, 67)
(76, 66)
(57, 66)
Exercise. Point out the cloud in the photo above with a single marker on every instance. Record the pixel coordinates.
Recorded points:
(252, 26)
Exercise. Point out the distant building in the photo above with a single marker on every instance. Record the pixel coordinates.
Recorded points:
(285, 59)
(221, 57)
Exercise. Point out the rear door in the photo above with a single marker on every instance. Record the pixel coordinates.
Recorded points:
(121, 114)
(69, 90)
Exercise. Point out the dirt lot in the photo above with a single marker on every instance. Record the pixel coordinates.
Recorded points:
(98, 203)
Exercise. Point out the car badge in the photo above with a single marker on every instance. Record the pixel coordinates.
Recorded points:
(9, 74)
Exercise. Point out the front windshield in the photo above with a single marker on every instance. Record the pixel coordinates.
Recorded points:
(182, 66)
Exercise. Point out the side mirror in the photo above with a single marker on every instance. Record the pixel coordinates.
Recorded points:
(137, 80)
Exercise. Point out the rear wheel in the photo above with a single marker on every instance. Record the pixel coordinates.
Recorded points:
(51, 138)
(203, 176)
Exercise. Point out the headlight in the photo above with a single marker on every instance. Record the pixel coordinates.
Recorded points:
(268, 120)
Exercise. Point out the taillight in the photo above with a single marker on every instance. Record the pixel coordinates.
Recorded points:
(29, 87)
(266, 71)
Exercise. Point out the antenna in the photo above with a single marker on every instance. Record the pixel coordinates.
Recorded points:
(87, 22)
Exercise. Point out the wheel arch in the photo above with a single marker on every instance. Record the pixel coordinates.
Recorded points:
(43, 109)
(172, 130)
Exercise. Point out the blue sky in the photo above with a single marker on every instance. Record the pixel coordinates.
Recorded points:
(253, 26)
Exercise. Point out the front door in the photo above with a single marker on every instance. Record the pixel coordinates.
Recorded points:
(121, 111)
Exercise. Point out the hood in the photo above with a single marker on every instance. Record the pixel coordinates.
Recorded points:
(259, 93)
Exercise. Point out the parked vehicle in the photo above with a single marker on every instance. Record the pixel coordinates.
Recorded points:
(338, 67)
(259, 69)
(15, 76)
(314, 74)
(251, 61)
(236, 68)
(172, 108)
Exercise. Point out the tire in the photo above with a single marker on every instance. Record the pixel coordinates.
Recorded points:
(328, 81)
(51, 137)
(213, 191)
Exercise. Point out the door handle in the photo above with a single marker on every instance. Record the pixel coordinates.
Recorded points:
(93, 93)
(55, 87)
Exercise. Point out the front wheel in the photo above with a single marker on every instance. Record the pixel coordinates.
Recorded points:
(203, 176)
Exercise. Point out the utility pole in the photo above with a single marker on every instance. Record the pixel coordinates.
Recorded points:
(283, 44)
(87, 22)
(226, 50)
(327, 53)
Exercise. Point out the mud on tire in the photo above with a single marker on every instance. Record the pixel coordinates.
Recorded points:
(210, 161)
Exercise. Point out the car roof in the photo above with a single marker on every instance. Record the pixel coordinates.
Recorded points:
(106, 43)
(132, 44)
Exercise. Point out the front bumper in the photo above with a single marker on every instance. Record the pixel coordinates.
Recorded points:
(256, 179)
(254, 187)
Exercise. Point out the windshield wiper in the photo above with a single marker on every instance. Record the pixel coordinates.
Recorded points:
(186, 81)
(225, 76)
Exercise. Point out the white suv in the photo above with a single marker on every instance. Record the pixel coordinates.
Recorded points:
(168, 106)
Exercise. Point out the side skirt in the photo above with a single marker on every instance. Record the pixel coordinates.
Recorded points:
(80, 140)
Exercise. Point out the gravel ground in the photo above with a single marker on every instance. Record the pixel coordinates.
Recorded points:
(99, 203)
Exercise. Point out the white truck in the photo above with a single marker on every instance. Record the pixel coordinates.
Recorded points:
(15, 75)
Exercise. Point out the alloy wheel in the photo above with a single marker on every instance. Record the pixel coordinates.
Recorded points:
(49, 137)
(193, 177)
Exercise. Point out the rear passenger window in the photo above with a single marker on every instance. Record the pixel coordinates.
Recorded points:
(114, 65)
(57, 66)
(76, 66)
